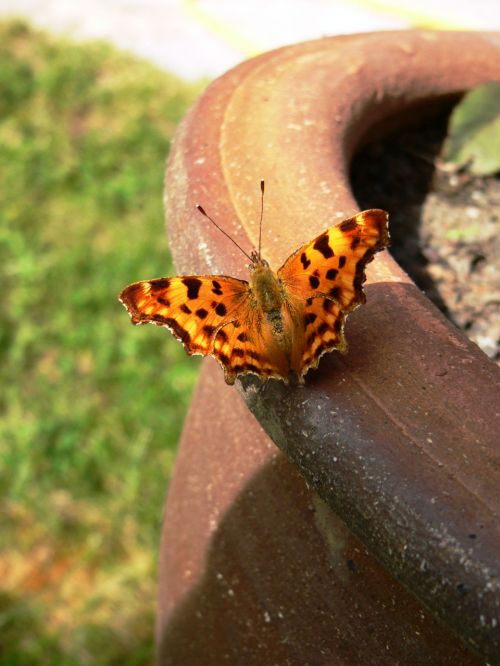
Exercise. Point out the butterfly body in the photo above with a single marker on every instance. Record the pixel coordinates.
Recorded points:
(278, 324)
(270, 314)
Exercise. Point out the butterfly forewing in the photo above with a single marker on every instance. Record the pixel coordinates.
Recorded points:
(333, 264)
(327, 275)
(324, 331)
(194, 308)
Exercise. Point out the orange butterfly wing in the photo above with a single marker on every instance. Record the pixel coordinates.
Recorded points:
(222, 316)
(209, 314)
(327, 274)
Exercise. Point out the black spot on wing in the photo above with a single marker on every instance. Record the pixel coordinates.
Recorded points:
(242, 337)
(238, 352)
(193, 285)
(355, 242)
(342, 261)
(222, 335)
(309, 318)
(201, 313)
(334, 292)
(324, 346)
(323, 328)
(331, 274)
(166, 302)
(221, 310)
(348, 225)
(313, 281)
(251, 367)
(216, 288)
(305, 261)
(322, 244)
(159, 283)
(209, 330)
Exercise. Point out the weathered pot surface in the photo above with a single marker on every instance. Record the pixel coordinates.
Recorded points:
(253, 564)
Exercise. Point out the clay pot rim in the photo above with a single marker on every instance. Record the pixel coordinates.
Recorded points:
(406, 530)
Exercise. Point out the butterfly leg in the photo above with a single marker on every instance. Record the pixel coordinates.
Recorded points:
(229, 377)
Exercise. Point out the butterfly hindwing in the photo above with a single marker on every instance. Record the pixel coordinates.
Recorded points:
(241, 348)
(324, 331)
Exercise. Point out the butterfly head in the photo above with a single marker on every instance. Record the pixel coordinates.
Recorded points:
(257, 261)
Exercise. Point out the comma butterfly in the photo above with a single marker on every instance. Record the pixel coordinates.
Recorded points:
(277, 324)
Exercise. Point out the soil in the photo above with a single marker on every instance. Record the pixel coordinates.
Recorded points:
(444, 225)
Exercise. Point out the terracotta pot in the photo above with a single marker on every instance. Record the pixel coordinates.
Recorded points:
(376, 544)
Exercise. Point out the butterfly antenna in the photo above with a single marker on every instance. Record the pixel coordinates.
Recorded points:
(261, 213)
(203, 212)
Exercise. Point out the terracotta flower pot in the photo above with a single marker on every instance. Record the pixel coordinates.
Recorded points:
(376, 544)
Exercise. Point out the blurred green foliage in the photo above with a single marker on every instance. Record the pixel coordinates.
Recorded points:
(474, 131)
(91, 407)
